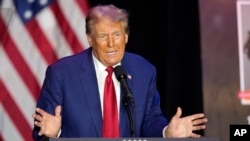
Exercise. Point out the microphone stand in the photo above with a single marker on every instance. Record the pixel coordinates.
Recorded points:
(130, 117)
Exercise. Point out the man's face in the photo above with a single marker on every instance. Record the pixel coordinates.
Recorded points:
(108, 40)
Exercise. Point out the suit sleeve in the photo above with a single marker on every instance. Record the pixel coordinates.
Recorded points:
(48, 99)
(155, 122)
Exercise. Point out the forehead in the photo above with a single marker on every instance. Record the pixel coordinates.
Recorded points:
(107, 25)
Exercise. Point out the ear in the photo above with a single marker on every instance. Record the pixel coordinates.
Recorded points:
(89, 40)
(126, 38)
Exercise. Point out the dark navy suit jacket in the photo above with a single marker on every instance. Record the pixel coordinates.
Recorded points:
(72, 83)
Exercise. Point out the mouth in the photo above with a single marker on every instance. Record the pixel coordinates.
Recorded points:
(111, 53)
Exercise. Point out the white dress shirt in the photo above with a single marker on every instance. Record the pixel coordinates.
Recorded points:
(101, 74)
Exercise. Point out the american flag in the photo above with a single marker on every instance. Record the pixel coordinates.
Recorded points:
(39, 32)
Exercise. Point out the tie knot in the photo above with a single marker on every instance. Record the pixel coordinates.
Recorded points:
(109, 70)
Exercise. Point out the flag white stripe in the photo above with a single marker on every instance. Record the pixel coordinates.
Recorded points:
(8, 130)
(49, 25)
(7, 4)
(71, 9)
(16, 87)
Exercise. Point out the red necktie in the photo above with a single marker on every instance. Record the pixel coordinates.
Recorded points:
(110, 113)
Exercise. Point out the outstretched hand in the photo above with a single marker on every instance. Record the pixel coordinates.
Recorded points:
(49, 124)
(183, 127)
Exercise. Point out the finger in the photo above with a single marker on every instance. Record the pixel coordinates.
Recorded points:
(58, 110)
(37, 117)
(197, 116)
(37, 123)
(199, 121)
(199, 127)
(178, 113)
(40, 133)
(40, 111)
(194, 135)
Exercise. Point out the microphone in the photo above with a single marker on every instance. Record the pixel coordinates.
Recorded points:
(122, 78)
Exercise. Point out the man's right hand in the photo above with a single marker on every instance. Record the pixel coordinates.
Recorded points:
(50, 125)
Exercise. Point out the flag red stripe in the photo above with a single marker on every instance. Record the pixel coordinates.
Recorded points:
(41, 41)
(84, 6)
(20, 65)
(1, 138)
(67, 31)
(14, 113)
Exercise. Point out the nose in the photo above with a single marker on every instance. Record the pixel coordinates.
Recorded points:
(110, 41)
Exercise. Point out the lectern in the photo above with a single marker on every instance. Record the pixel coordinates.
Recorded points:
(138, 139)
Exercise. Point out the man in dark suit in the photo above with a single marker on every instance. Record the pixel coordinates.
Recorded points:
(71, 103)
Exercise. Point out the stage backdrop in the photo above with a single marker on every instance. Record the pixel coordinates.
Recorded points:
(176, 33)
(220, 65)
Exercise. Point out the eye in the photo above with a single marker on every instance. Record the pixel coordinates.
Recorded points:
(116, 35)
(102, 36)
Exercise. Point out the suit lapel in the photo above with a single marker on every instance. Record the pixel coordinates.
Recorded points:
(91, 93)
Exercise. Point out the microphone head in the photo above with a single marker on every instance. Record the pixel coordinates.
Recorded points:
(120, 73)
